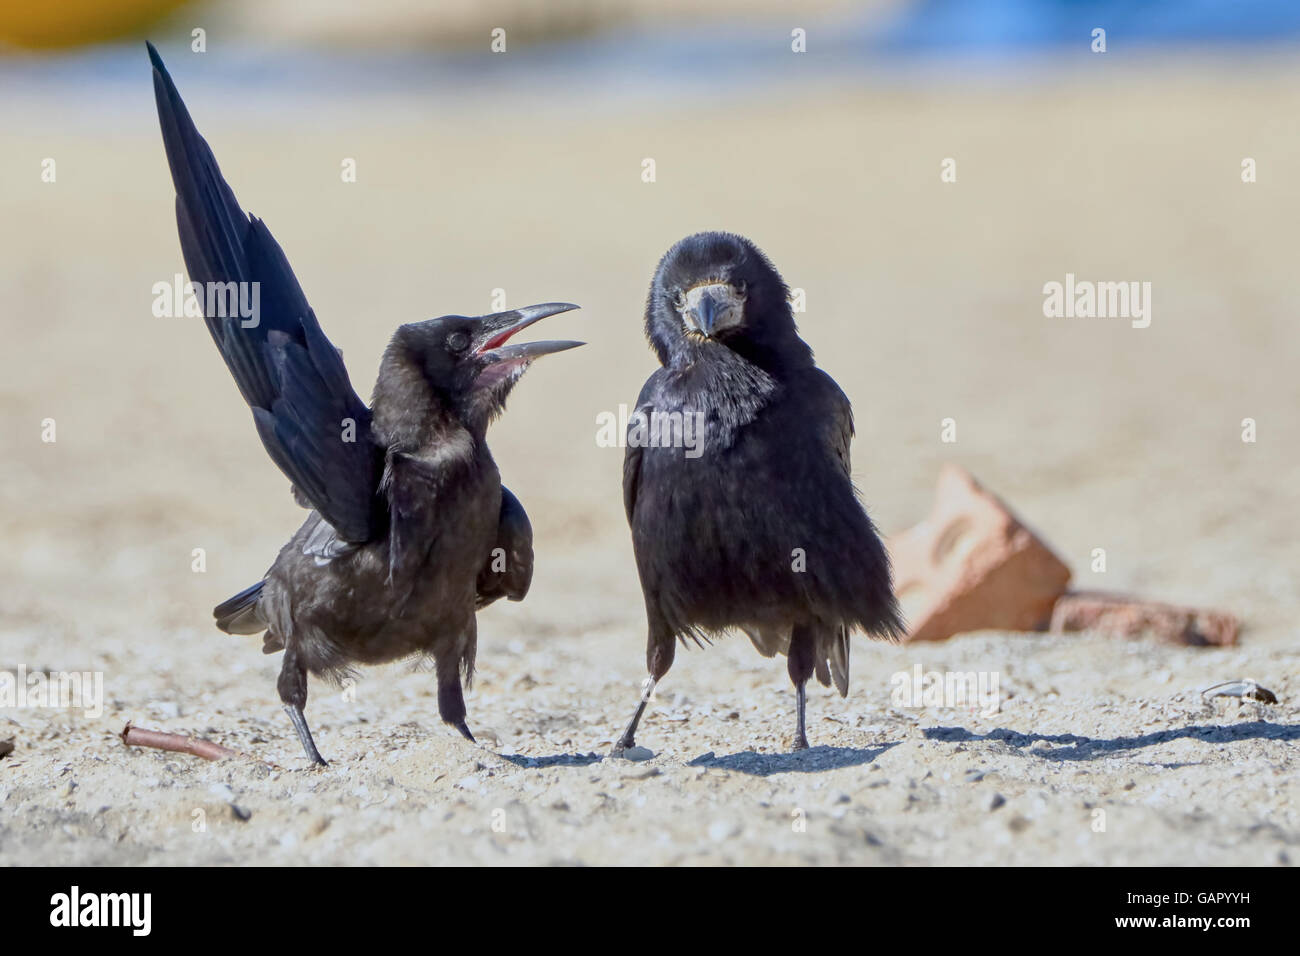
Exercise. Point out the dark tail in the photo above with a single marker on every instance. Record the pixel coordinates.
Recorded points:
(241, 614)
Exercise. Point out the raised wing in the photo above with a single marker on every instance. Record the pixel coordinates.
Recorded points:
(313, 424)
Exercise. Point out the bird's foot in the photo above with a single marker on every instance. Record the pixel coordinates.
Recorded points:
(304, 735)
(627, 749)
(800, 727)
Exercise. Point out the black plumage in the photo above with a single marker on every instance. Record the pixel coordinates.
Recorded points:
(410, 530)
(758, 526)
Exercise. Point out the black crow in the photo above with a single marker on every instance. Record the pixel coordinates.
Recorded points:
(410, 530)
(736, 478)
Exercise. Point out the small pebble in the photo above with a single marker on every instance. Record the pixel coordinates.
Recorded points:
(723, 830)
(222, 791)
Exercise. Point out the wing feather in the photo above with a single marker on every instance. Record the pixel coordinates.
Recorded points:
(311, 421)
(515, 542)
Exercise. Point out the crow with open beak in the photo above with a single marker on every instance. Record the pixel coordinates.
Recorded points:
(756, 525)
(410, 530)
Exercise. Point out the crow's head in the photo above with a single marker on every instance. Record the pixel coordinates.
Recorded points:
(464, 362)
(718, 289)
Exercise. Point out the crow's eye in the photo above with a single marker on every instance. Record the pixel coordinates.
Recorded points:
(457, 342)
(679, 300)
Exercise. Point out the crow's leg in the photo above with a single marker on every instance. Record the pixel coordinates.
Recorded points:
(293, 692)
(660, 648)
(803, 643)
(628, 740)
(451, 699)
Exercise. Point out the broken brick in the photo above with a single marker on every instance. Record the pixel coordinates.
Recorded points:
(1126, 616)
(972, 565)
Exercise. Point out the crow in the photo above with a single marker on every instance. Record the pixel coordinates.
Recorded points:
(736, 479)
(410, 530)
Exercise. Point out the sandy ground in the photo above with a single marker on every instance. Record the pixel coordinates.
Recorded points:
(924, 301)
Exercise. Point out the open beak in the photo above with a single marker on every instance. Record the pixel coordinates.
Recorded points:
(502, 362)
(497, 329)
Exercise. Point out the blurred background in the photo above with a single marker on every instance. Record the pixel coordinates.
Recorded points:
(504, 145)
(516, 161)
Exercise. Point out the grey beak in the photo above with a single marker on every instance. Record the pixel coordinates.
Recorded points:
(498, 328)
(498, 360)
(706, 313)
(526, 351)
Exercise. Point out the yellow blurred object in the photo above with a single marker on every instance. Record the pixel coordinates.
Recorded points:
(43, 24)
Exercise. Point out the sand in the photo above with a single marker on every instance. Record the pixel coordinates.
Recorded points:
(925, 303)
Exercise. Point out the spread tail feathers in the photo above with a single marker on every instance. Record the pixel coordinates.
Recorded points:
(831, 660)
(241, 614)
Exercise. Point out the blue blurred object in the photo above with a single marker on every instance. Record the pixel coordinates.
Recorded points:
(994, 40)
(1001, 26)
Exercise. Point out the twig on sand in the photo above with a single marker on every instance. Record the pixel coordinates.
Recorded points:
(179, 743)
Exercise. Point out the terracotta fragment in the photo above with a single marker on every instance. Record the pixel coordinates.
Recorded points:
(972, 565)
(1126, 616)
